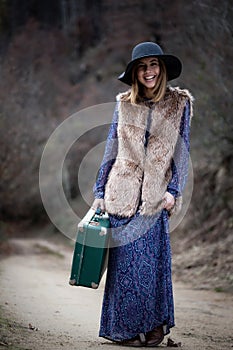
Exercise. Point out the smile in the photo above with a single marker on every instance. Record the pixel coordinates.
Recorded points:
(149, 78)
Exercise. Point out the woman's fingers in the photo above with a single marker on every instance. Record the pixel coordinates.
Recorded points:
(169, 201)
(98, 203)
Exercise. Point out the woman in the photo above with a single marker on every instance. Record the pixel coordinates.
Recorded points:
(140, 184)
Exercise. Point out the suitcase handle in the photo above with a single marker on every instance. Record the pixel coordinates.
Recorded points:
(98, 211)
(89, 215)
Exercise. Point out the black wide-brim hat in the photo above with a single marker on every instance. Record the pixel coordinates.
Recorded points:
(147, 49)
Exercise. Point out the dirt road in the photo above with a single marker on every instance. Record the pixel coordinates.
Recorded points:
(44, 312)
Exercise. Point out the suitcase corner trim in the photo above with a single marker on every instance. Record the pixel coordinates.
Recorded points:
(94, 285)
(72, 282)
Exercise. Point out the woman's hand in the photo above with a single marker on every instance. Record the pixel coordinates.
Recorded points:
(168, 201)
(98, 203)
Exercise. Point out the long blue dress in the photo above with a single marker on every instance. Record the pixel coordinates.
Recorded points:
(138, 293)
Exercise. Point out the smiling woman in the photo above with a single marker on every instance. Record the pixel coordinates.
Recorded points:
(140, 184)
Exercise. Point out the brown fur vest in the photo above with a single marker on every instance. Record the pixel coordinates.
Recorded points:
(140, 174)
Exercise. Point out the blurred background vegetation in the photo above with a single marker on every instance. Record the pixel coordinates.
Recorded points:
(58, 57)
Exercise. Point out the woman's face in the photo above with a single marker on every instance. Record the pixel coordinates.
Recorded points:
(148, 70)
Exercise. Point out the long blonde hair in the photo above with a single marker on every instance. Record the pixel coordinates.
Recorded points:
(136, 94)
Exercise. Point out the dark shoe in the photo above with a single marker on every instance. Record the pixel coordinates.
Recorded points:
(134, 342)
(155, 337)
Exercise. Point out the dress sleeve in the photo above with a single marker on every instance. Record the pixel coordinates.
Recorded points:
(109, 158)
(180, 160)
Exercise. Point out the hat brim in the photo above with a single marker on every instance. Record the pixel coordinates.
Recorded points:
(172, 63)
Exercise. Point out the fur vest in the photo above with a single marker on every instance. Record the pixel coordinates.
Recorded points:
(146, 142)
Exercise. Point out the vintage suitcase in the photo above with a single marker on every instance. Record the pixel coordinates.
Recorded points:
(91, 250)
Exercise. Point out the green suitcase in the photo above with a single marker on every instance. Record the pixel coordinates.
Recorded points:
(90, 252)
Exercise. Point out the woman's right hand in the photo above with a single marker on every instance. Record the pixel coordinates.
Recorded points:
(98, 203)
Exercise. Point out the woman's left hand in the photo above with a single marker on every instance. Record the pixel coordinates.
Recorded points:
(168, 201)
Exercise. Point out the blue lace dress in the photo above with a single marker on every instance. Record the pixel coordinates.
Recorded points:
(138, 293)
